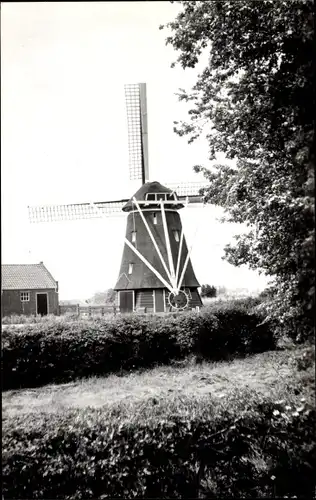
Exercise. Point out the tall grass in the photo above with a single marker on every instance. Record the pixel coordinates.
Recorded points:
(251, 437)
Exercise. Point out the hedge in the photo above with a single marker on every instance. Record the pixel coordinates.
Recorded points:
(233, 451)
(56, 352)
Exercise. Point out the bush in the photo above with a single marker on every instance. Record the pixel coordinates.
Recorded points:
(208, 291)
(235, 450)
(62, 351)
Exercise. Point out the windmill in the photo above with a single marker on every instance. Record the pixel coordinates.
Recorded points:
(156, 273)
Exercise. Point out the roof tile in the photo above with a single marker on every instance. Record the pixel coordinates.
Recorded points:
(26, 276)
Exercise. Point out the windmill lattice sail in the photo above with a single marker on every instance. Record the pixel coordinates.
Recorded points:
(75, 211)
(136, 107)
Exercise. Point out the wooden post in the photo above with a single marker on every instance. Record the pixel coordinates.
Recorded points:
(169, 252)
(102, 311)
(89, 311)
(78, 310)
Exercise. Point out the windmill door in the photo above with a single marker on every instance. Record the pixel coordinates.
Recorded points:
(159, 300)
(126, 301)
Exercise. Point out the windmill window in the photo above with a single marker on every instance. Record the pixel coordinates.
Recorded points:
(133, 236)
(176, 235)
(171, 197)
(188, 291)
(150, 196)
(25, 296)
(130, 268)
(155, 218)
(161, 196)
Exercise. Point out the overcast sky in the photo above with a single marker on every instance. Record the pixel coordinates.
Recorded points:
(64, 137)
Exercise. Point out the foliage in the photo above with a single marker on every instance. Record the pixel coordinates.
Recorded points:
(61, 351)
(208, 291)
(254, 99)
(19, 319)
(247, 446)
(106, 297)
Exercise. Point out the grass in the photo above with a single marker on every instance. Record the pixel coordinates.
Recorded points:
(265, 374)
(17, 320)
(143, 433)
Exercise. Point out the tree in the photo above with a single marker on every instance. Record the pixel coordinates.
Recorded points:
(208, 291)
(254, 101)
(100, 298)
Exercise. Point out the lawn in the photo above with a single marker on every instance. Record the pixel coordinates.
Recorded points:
(241, 428)
(266, 373)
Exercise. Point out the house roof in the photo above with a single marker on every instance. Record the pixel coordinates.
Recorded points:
(149, 187)
(26, 276)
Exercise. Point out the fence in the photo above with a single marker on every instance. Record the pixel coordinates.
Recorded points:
(87, 310)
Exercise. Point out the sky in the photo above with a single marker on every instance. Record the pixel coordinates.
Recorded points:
(64, 138)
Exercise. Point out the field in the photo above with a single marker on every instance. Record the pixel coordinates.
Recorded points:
(189, 428)
(265, 374)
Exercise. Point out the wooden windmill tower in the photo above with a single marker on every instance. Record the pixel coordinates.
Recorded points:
(156, 273)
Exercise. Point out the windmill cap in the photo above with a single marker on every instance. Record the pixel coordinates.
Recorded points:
(149, 187)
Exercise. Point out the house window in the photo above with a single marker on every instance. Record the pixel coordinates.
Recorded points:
(176, 235)
(155, 218)
(130, 268)
(25, 296)
(133, 236)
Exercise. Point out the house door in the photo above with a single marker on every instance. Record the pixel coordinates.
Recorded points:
(159, 300)
(126, 301)
(41, 304)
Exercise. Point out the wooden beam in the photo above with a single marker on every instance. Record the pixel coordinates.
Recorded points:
(144, 131)
(170, 258)
(187, 259)
(153, 239)
(180, 247)
(150, 267)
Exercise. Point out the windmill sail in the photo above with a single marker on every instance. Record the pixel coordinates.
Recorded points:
(75, 211)
(136, 107)
(191, 190)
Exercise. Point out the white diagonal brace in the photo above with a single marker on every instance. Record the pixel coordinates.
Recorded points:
(170, 258)
(180, 246)
(187, 259)
(150, 267)
(153, 240)
(184, 269)
(179, 255)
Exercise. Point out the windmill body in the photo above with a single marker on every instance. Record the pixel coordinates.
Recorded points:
(154, 230)
(156, 273)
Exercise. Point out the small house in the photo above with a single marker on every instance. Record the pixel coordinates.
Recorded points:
(28, 289)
